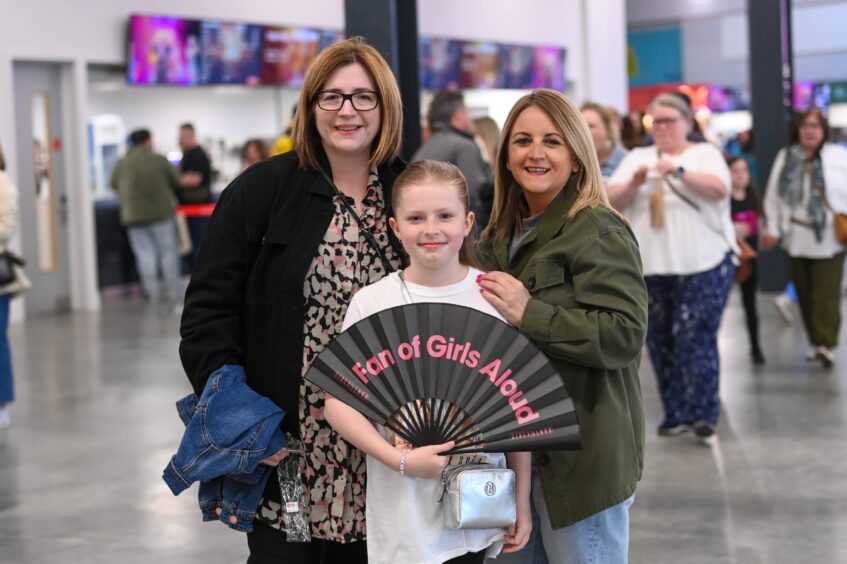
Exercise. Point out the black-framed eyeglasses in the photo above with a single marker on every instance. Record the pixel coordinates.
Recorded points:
(664, 122)
(332, 101)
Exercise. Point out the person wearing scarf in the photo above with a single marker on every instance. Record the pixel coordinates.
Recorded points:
(807, 182)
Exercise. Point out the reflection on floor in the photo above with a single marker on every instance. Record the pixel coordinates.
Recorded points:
(95, 424)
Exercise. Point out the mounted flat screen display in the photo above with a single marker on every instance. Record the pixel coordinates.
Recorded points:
(163, 50)
(230, 53)
(287, 53)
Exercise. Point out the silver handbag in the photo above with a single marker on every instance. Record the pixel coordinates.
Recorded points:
(478, 496)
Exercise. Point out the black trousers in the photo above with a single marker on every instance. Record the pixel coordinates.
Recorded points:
(268, 546)
(748, 298)
(469, 558)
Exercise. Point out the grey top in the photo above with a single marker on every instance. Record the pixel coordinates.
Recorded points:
(518, 238)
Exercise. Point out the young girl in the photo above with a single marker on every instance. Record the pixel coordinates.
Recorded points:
(746, 212)
(404, 523)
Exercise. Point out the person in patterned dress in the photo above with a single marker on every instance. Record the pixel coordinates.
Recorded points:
(284, 253)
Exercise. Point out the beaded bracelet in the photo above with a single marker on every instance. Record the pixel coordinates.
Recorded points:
(403, 462)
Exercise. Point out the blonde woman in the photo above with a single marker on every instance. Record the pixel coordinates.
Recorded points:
(567, 273)
(487, 137)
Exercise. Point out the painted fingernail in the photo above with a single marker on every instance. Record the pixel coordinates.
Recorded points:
(482, 290)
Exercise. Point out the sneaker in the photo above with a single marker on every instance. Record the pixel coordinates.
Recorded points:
(812, 355)
(5, 420)
(783, 305)
(824, 356)
(703, 429)
(672, 429)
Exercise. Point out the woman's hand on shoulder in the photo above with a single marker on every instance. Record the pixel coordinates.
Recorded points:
(506, 293)
(427, 462)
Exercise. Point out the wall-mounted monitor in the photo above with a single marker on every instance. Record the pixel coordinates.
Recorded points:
(163, 50)
(230, 53)
(287, 54)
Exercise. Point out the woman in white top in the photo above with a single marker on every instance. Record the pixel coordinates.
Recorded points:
(809, 180)
(8, 226)
(676, 194)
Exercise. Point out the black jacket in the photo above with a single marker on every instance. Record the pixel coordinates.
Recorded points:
(245, 304)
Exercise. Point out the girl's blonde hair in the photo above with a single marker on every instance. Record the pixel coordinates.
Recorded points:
(307, 140)
(510, 206)
(426, 171)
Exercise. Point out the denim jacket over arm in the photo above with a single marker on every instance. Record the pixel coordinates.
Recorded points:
(229, 430)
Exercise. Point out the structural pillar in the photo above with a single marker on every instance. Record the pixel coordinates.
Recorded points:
(771, 86)
(391, 26)
(604, 46)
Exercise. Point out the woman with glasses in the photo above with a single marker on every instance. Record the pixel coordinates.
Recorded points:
(676, 194)
(807, 186)
(291, 240)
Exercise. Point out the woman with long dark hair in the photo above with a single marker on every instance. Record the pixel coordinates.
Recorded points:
(746, 210)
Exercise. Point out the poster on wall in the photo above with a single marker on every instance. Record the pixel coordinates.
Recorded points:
(479, 64)
(439, 63)
(549, 69)
(163, 50)
(231, 53)
(655, 56)
(286, 54)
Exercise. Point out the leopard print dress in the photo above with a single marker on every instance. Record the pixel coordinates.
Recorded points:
(334, 470)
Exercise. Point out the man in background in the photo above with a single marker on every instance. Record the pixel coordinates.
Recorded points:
(146, 184)
(452, 141)
(195, 186)
(196, 180)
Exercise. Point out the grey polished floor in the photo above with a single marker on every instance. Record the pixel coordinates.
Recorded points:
(94, 425)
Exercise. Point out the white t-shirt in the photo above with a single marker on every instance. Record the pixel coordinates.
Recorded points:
(404, 519)
(691, 241)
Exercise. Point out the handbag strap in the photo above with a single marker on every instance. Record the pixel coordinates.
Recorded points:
(696, 206)
(362, 228)
(679, 193)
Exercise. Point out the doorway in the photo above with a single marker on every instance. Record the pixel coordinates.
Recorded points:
(42, 183)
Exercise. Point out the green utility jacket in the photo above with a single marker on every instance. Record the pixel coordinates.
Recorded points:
(146, 184)
(588, 314)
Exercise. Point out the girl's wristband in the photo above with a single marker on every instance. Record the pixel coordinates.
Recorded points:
(403, 462)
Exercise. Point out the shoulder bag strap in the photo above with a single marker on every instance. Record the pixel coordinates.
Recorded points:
(362, 229)
(696, 206)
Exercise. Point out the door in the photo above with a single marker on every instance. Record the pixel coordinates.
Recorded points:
(42, 185)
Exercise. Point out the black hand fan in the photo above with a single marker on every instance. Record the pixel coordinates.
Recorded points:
(433, 373)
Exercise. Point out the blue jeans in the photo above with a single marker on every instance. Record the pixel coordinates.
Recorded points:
(7, 388)
(156, 249)
(602, 538)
